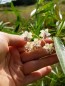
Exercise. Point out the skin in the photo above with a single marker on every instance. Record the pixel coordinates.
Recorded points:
(18, 67)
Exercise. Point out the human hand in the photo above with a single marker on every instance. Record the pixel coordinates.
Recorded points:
(18, 67)
(8, 43)
(36, 63)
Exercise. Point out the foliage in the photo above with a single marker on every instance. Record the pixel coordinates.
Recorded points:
(60, 50)
(45, 15)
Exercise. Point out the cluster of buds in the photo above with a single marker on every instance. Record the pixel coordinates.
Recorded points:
(37, 43)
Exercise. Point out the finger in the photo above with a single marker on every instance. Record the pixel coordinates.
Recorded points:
(12, 40)
(37, 74)
(28, 56)
(37, 64)
(15, 40)
(47, 40)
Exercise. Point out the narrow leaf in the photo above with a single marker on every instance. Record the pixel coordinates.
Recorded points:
(60, 28)
(60, 51)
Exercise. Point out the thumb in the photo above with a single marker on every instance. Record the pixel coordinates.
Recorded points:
(15, 40)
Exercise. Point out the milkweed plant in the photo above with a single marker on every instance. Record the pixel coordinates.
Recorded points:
(46, 22)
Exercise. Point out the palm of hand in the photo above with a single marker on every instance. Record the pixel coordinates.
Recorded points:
(16, 67)
(12, 69)
(10, 63)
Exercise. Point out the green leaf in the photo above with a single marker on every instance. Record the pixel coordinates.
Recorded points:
(14, 9)
(45, 8)
(57, 12)
(60, 51)
(40, 1)
(61, 29)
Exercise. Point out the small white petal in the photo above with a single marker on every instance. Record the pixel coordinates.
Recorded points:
(49, 47)
(42, 33)
(36, 42)
(29, 46)
(27, 35)
(46, 30)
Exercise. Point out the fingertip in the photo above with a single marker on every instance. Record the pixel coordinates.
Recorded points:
(49, 68)
(42, 72)
(48, 40)
(15, 40)
(36, 75)
(42, 43)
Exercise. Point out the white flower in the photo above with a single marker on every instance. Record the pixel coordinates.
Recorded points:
(27, 35)
(37, 42)
(32, 45)
(44, 33)
(29, 46)
(47, 32)
(33, 12)
(49, 47)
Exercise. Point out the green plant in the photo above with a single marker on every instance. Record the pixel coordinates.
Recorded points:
(45, 16)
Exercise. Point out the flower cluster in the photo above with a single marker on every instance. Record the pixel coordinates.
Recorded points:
(30, 46)
(36, 43)
(44, 33)
(27, 35)
(49, 47)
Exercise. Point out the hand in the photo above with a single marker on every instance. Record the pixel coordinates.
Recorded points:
(19, 68)
(7, 44)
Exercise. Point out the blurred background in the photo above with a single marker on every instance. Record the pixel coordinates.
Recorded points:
(16, 13)
(24, 6)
